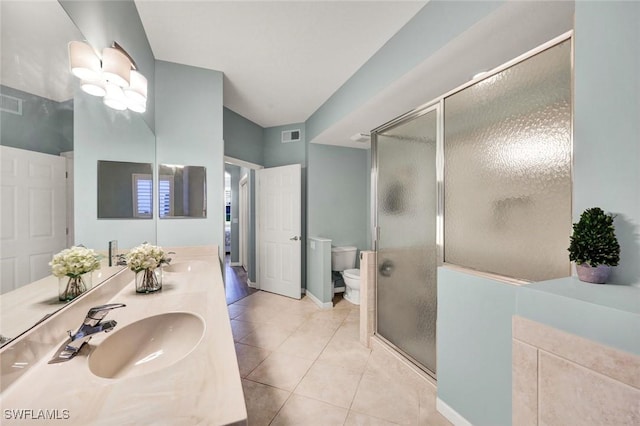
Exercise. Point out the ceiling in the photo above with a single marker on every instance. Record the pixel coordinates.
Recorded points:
(281, 60)
(34, 48)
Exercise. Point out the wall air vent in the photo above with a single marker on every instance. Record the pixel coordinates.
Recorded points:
(10, 104)
(291, 136)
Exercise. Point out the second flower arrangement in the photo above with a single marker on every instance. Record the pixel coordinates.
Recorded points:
(146, 261)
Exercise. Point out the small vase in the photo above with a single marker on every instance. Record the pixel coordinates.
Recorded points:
(149, 280)
(71, 287)
(593, 274)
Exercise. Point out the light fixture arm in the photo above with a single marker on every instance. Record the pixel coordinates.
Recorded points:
(117, 46)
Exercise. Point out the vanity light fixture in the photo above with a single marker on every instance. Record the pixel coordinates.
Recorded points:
(114, 97)
(83, 61)
(114, 77)
(116, 67)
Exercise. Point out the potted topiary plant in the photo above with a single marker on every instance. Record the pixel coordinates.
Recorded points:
(594, 246)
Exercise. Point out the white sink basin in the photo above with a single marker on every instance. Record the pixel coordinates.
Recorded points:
(147, 345)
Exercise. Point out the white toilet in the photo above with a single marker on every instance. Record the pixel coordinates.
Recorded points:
(343, 260)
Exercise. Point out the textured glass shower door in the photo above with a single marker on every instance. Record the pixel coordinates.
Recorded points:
(407, 253)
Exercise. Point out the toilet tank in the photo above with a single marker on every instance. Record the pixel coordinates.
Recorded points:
(343, 258)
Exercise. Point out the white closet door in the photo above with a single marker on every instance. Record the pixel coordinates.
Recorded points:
(33, 215)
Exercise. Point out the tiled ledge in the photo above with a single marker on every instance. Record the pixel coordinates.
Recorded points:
(604, 313)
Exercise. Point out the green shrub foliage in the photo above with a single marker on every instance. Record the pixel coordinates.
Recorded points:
(594, 240)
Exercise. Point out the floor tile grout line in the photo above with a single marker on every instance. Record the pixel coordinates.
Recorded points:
(360, 381)
(331, 337)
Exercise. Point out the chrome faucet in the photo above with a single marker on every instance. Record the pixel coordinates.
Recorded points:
(91, 325)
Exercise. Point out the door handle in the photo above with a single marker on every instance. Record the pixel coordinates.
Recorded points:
(296, 238)
(386, 268)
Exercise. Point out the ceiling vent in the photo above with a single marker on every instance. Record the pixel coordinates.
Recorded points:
(291, 136)
(10, 104)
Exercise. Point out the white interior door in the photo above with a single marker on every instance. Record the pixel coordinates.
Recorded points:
(33, 215)
(244, 221)
(279, 230)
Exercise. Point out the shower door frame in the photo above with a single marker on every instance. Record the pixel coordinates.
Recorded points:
(436, 106)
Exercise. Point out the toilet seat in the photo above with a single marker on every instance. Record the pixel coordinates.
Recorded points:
(352, 273)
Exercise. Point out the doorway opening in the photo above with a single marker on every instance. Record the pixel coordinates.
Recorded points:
(240, 225)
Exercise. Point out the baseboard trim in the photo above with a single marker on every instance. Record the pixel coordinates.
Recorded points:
(452, 415)
(236, 264)
(314, 299)
(252, 284)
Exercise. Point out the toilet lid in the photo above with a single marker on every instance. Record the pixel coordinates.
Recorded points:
(353, 273)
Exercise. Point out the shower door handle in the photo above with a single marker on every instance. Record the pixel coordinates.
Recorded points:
(386, 268)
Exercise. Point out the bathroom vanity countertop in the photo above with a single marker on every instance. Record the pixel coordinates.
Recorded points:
(23, 307)
(202, 388)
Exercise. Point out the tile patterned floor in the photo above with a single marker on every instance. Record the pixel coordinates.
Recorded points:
(301, 365)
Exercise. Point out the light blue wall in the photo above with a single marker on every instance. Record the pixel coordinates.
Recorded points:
(189, 131)
(319, 282)
(608, 314)
(277, 153)
(474, 346)
(242, 138)
(606, 174)
(44, 126)
(104, 21)
(436, 24)
(606, 145)
(101, 133)
(338, 193)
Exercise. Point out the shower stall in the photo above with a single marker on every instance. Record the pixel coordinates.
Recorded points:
(480, 178)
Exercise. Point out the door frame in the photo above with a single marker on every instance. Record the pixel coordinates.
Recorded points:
(243, 218)
(438, 107)
(68, 155)
(254, 167)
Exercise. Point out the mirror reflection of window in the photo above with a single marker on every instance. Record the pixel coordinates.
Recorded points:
(142, 195)
(165, 195)
(182, 191)
(125, 190)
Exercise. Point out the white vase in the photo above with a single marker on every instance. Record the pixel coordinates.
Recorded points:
(593, 274)
(71, 287)
(149, 280)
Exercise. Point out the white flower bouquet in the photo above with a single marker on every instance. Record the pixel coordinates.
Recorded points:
(74, 263)
(145, 260)
(146, 256)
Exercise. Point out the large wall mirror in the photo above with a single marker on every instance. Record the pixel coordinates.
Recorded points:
(182, 191)
(125, 190)
(38, 145)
